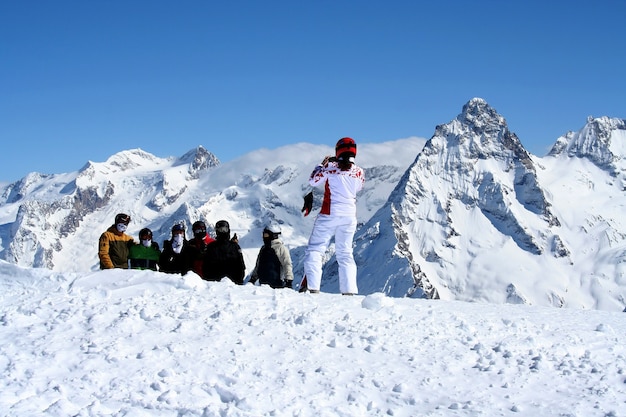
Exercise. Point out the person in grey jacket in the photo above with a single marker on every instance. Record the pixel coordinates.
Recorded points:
(273, 264)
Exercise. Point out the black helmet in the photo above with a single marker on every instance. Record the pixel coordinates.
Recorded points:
(145, 234)
(222, 228)
(199, 228)
(178, 227)
(122, 218)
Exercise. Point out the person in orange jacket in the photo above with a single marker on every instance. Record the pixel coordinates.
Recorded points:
(114, 244)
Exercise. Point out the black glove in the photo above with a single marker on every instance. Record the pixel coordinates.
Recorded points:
(308, 204)
(234, 238)
(327, 160)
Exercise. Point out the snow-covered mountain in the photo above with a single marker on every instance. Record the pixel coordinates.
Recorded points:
(469, 215)
(478, 218)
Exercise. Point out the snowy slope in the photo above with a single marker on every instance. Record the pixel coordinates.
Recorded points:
(143, 343)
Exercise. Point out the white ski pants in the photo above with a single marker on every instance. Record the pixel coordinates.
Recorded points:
(324, 229)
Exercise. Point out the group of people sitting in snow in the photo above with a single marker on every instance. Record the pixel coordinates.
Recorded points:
(211, 258)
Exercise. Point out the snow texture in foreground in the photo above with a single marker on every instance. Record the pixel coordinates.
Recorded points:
(142, 343)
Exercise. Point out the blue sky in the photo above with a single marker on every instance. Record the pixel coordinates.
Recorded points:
(82, 80)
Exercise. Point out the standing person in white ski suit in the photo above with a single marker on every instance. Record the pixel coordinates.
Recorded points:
(342, 180)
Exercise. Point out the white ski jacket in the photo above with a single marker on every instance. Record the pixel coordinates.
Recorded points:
(341, 188)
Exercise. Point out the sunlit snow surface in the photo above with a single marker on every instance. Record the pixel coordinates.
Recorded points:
(142, 343)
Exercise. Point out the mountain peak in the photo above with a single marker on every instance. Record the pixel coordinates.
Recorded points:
(473, 186)
(602, 140)
(481, 116)
(198, 159)
(479, 132)
(131, 158)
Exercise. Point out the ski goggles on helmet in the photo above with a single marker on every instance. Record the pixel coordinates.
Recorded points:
(222, 227)
(122, 218)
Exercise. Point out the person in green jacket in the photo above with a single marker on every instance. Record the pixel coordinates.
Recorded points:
(144, 255)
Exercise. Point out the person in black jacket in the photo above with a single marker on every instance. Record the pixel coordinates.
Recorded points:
(195, 249)
(223, 257)
(171, 259)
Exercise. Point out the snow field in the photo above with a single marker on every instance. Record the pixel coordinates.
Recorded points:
(143, 343)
